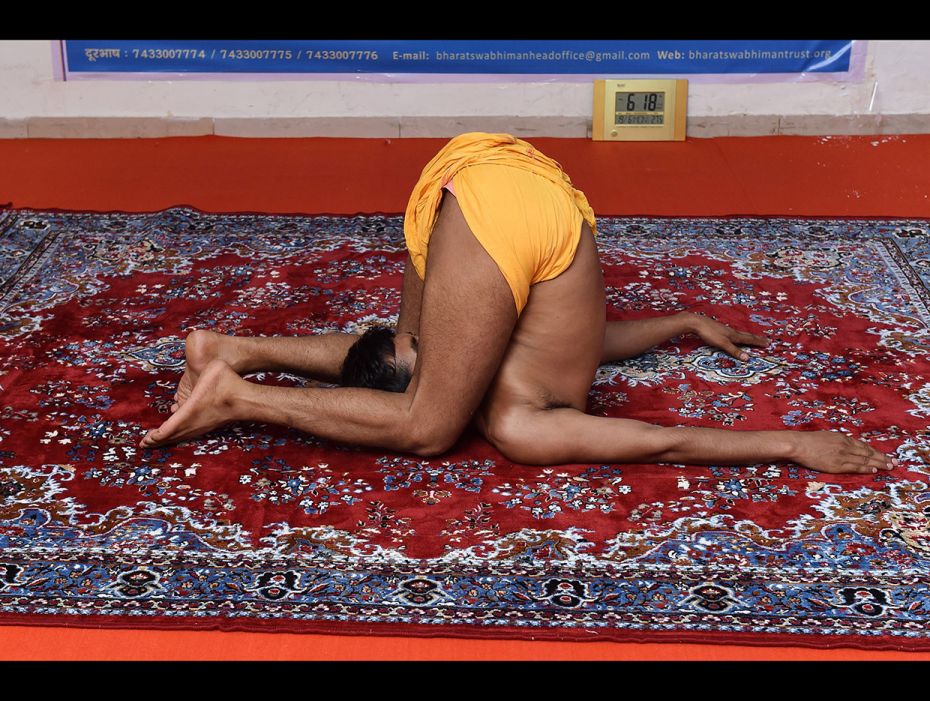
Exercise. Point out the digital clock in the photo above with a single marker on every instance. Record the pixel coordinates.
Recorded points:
(640, 110)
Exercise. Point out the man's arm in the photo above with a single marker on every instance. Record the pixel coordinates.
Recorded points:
(318, 356)
(627, 339)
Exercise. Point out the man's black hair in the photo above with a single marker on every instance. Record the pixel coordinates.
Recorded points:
(370, 363)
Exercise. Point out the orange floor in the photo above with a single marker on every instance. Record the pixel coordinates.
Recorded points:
(817, 176)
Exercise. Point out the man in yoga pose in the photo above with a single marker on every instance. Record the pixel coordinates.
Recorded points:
(502, 324)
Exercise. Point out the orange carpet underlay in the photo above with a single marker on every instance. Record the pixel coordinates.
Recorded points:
(867, 176)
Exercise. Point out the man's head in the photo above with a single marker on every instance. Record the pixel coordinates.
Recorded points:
(381, 360)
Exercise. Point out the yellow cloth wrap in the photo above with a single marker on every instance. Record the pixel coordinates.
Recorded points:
(528, 227)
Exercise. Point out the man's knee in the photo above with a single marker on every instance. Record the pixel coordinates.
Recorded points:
(430, 443)
(513, 432)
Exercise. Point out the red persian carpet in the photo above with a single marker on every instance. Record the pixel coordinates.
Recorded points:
(257, 527)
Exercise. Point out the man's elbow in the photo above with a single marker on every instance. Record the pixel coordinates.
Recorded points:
(675, 444)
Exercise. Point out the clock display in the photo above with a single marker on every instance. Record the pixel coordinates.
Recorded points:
(640, 108)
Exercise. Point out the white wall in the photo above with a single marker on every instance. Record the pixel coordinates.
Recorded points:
(893, 97)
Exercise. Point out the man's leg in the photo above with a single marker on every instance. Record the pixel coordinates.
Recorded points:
(411, 301)
(468, 315)
(467, 318)
(560, 436)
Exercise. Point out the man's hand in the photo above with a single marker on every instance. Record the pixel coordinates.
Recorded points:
(718, 335)
(832, 451)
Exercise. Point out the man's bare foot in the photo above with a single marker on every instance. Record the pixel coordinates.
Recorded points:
(210, 405)
(200, 348)
(831, 451)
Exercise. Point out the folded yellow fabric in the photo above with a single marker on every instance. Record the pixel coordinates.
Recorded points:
(479, 148)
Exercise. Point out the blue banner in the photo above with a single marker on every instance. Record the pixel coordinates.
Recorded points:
(550, 57)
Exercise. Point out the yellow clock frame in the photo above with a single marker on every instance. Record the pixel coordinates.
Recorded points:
(604, 127)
